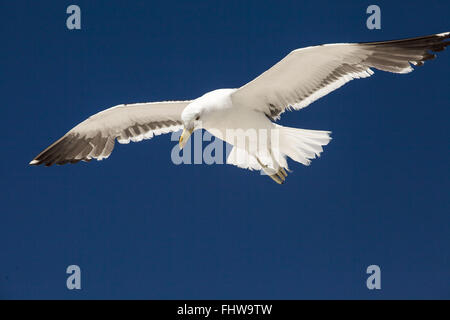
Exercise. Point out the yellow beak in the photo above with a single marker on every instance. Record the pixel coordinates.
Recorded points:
(185, 137)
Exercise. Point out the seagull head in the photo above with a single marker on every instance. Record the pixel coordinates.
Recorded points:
(191, 117)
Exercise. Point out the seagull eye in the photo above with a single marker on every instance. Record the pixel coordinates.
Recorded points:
(197, 117)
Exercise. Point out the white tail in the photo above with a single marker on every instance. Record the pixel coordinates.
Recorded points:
(302, 145)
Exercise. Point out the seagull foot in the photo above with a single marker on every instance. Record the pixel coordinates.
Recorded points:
(279, 176)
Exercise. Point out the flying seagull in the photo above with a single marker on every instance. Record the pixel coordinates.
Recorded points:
(296, 81)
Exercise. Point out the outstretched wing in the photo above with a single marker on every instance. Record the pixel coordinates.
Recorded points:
(308, 74)
(95, 137)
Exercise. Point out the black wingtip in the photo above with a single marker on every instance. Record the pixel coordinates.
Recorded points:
(435, 42)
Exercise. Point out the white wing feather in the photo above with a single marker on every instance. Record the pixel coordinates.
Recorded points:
(95, 137)
(308, 74)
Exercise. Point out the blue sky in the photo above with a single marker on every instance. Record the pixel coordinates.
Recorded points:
(141, 227)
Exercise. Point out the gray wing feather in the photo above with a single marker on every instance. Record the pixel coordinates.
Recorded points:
(95, 137)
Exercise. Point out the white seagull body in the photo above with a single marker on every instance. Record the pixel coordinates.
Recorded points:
(249, 112)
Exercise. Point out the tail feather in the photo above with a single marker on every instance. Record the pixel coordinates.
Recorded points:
(302, 145)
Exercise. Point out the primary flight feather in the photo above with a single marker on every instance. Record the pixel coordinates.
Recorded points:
(244, 117)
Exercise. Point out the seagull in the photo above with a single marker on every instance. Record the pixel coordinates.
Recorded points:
(246, 117)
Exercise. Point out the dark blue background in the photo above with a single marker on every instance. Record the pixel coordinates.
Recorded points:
(141, 227)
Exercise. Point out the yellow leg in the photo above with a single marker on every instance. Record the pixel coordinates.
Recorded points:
(279, 177)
